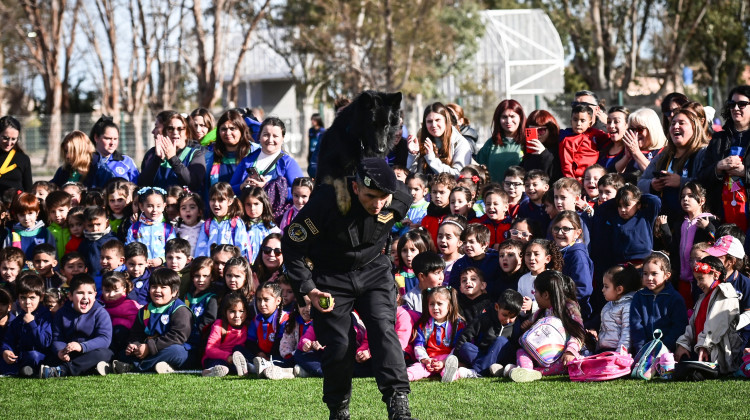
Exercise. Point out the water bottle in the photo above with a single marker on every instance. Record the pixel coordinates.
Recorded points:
(666, 365)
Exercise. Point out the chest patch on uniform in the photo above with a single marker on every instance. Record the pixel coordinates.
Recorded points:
(311, 226)
(385, 217)
(296, 232)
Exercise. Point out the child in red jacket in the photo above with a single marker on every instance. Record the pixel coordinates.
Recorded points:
(580, 144)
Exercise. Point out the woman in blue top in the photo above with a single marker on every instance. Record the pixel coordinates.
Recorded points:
(233, 144)
(269, 162)
(107, 162)
(172, 161)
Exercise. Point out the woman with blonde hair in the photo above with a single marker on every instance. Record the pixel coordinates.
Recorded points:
(677, 163)
(643, 141)
(77, 151)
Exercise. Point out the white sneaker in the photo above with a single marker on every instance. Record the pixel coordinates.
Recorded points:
(450, 369)
(525, 375)
(467, 373)
(216, 371)
(261, 364)
(103, 368)
(496, 370)
(276, 372)
(507, 369)
(163, 367)
(240, 363)
(299, 372)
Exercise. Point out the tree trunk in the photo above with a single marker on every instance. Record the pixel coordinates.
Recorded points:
(233, 88)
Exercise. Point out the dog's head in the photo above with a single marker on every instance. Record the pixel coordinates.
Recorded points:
(380, 121)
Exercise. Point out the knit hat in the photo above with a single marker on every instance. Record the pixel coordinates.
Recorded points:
(727, 245)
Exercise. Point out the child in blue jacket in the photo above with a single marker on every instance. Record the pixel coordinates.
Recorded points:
(81, 332)
(657, 306)
(29, 336)
(152, 229)
(625, 226)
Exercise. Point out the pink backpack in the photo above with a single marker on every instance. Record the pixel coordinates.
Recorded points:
(601, 367)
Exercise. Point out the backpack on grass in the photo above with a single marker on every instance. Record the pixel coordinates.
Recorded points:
(601, 367)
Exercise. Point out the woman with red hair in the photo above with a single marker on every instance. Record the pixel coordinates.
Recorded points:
(506, 146)
(543, 153)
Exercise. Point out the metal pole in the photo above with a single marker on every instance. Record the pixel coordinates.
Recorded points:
(710, 96)
(620, 99)
(537, 102)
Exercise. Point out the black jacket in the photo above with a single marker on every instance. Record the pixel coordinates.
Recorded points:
(484, 330)
(336, 242)
(719, 148)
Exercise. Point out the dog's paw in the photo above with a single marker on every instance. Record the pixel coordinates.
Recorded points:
(343, 199)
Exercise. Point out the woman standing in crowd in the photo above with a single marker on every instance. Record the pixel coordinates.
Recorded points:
(107, 162)
(643, 140)
(507, 145)
(15, 166)
(543, 153)
(462, 122)
(677, 164)
(438, 147)
(77, 152)
(233, 144)
(172, 161)
(269, 162)
(724, 173)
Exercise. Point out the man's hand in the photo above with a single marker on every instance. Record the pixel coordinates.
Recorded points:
(316, 294)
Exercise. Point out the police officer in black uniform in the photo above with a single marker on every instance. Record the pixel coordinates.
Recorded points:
(347, 271)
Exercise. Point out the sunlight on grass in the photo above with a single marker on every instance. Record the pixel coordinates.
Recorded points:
(191, 396)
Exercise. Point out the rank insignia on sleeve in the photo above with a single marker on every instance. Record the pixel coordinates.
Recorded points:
(384, 217)
(296, 232)
(311, 226)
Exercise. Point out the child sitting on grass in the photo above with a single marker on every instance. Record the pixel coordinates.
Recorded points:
(473, 298)
(122, 310)
(157, 340)
(81, 333)
(435, 335)
(489, 342)
(553, 298)
(29, 336)
(619, 285)
(711, 336)
(657, 306)
(227, 333)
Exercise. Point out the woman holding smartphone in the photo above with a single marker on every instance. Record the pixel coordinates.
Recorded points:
(269, 162)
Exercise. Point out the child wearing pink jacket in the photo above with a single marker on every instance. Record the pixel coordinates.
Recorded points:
(228, 335)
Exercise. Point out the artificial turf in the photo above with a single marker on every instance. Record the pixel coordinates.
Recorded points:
(191, 396)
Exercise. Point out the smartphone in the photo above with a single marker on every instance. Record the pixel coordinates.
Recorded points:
(659, 174)
(531, 134)
(252, 173)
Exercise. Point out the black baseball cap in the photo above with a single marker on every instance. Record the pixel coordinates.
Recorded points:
(376, 174)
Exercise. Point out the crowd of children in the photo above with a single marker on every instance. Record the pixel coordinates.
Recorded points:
(129, 279)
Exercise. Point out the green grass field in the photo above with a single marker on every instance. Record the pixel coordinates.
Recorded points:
(191, 396)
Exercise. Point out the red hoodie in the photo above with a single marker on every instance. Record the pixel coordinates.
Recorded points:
(579, 151)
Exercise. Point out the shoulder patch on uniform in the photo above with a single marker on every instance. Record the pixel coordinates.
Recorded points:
(311, 226)
(296, 232)
(384, 217)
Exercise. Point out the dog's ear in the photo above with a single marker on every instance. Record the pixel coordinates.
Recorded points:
(394, 99)
(367, 99)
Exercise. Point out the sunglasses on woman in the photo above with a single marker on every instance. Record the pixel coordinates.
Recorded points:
(268, 250)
